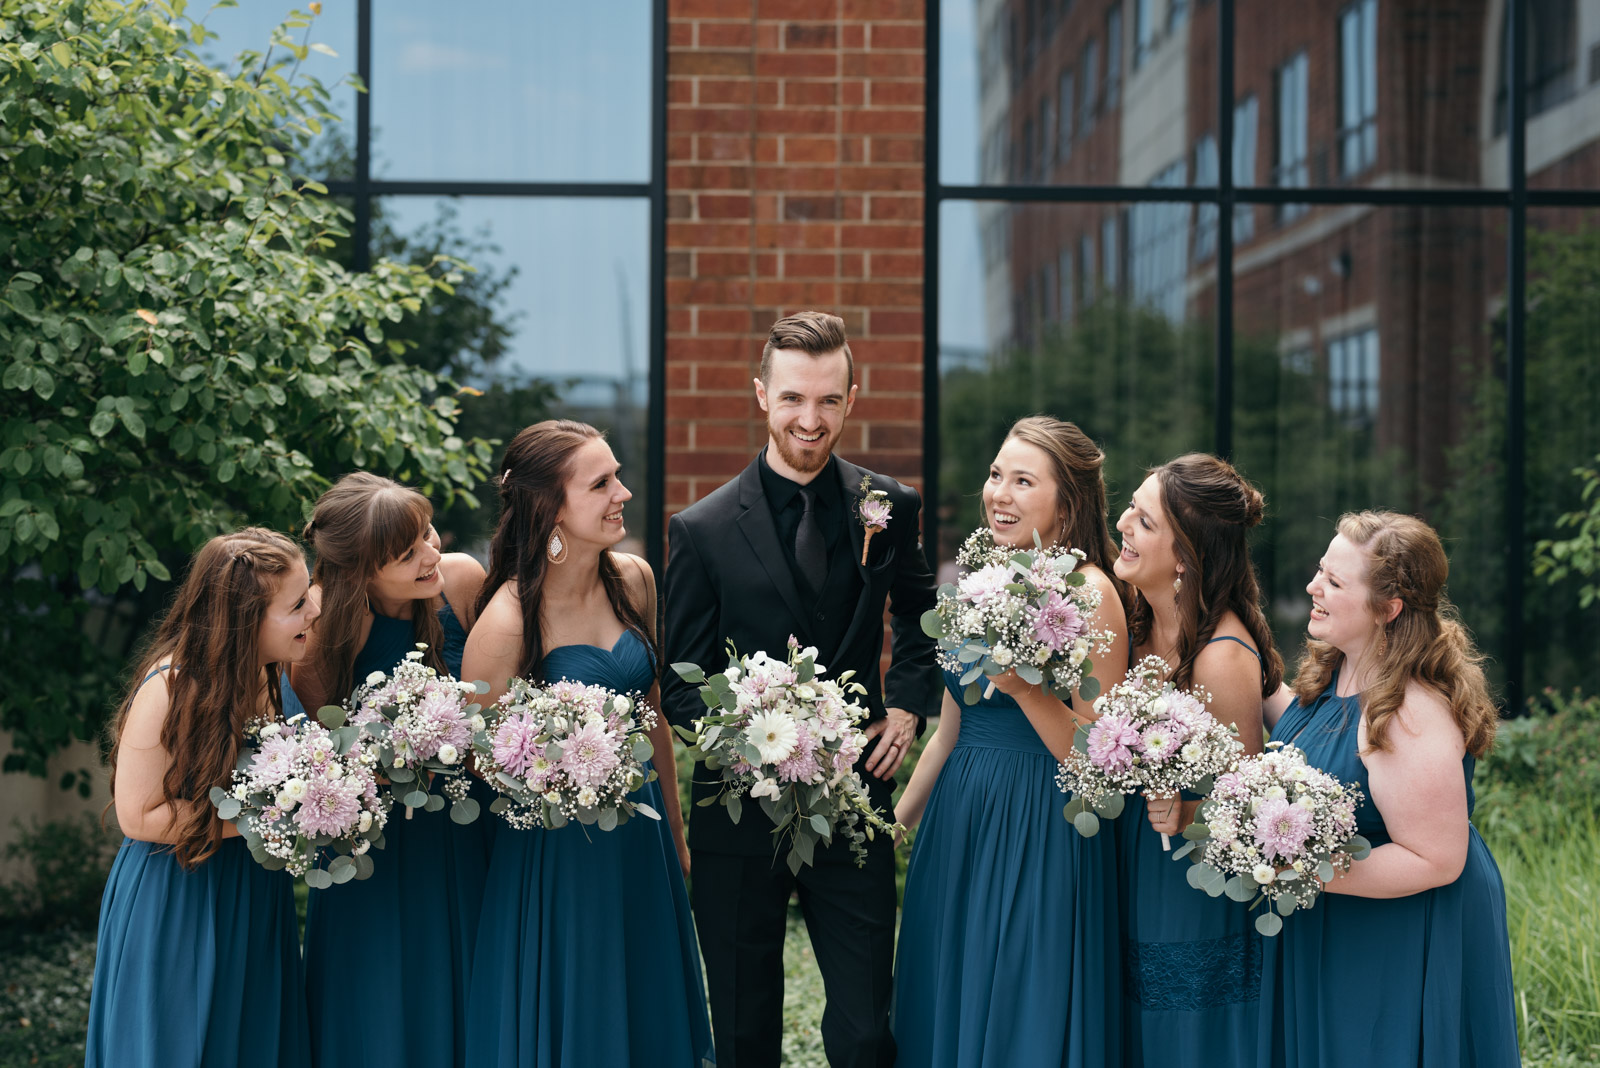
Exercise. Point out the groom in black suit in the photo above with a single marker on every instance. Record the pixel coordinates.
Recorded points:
(775, 552)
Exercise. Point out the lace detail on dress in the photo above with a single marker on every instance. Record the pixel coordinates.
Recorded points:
(1192, 975)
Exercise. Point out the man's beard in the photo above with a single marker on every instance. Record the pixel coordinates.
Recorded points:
(806, 461)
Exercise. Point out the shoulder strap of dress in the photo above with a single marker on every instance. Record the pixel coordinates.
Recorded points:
(1230, 638)
(158, 670)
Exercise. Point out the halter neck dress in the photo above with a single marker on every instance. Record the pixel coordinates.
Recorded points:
(1360, 982)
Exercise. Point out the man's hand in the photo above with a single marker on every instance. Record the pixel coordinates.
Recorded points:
(895, 733)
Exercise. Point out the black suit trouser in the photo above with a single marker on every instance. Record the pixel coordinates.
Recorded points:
(740, 908)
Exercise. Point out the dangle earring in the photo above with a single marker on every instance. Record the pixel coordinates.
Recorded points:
(557, 549)
(1177, 585)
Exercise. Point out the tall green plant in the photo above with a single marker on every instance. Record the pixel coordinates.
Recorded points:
(182, 356)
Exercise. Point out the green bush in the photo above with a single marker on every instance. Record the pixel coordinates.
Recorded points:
(44, 1014)
(67, 862)
(1544, 772)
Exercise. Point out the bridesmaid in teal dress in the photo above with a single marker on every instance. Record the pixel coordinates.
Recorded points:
(1191, 963)
(385, 587)
(1406, 959)
(586, 953)
(1008, 950)
(198, 960)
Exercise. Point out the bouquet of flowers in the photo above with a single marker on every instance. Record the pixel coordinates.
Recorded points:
(1022, 611)
(421, 725)
(1150, 737)
(298, 789)
(566, 752)
(782, 735)
(1272, 832)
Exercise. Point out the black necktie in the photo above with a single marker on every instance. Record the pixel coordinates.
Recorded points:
(810, 552)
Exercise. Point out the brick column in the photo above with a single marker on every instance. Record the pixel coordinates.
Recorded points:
(794, 181)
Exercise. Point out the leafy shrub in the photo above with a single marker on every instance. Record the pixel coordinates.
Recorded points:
(44, 1013)
(67, 862)
(1544, 772)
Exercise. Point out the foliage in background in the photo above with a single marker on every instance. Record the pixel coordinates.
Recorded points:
(1562, 380)
(1557, 559)
(183, 356)
(1547, 760)
(65, 864)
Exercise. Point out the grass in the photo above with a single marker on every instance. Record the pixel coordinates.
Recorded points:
(1552, 890)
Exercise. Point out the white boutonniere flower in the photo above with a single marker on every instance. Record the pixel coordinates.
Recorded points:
(873, 511)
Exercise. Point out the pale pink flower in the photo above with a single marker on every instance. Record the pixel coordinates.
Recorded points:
(1281, 828)
(331, 806)
(1057, 622)
(589, 755)
(514, 744)
(801, 764)
(875, 512)
(1159, 741)
(1111, 742)
(984, 585)
(272, 763)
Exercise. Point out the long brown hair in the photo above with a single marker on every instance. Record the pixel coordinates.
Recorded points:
(533, 489)
(211, 637)
(1211, 507)
(1424, 641)
(363, 523)
(1077, 464)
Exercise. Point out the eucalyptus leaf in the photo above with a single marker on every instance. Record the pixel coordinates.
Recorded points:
(1286, 904)
(228, 808)
(1238, 890)
(331, 716)
(735, 806)
(645, 810)
(608, 818)
(1086, 824)
(464, 811)
(434, 803)
(1269, 924)
(318, 879)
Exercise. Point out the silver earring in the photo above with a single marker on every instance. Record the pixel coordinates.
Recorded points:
(557, 549)
(1177, 585)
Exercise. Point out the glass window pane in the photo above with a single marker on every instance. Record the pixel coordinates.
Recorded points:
(1563, 395)
(1368, 375)
(511, 92)
(578, 319)
(1561, 78)
(1135, 374)
(249, 27)
(1087, 100)
(1391, 94)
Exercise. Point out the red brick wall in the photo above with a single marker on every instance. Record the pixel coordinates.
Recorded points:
(794, 181)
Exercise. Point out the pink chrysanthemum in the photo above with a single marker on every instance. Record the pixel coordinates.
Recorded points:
(1111, 742)
(435, 720)
(589, 755)
(800, 765)
(331, 806)
(984, 585)
(273, 762)
(1159, 741)
(1281, 828)
(875, 512)
(1057, 623)
(514, 744)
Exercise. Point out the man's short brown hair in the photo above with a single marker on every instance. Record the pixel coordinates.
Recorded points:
(813, 333)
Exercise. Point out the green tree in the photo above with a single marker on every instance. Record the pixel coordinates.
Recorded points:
(183, 356)
(1562, 382)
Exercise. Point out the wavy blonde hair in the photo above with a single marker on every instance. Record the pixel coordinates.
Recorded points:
(1424, 642)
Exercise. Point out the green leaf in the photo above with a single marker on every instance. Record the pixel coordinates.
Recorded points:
(415, 799)
(228, 808)
(734, 805)
(331, 716)
(1268, 924)
(608, 818)
(1086, 824)
(932, 623)
(318, 879)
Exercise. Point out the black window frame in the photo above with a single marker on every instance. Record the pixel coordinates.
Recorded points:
(1515, 200)
(362, 189)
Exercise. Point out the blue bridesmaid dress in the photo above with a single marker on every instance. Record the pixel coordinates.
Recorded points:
(1008, 949)
(387, 958)
(1191, 963)
(197, 968)
(586, 953)
(1385, 983)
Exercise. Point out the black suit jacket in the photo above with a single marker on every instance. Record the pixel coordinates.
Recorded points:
(728, 578)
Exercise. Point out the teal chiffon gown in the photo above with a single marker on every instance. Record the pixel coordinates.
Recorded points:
(388, 958)
(586, 951)
(1008, 949)
(197, 968)
(1191, 963)
(1358, 982)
